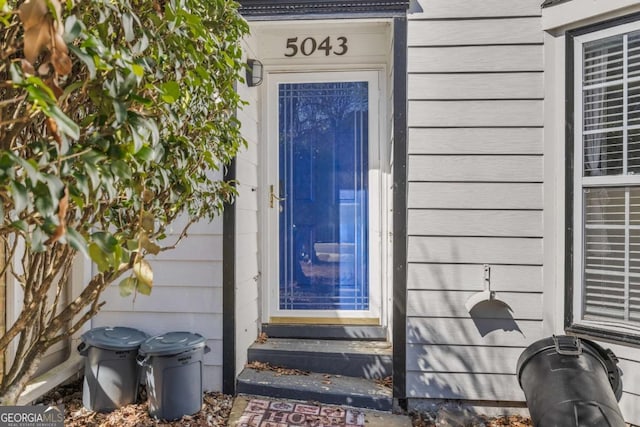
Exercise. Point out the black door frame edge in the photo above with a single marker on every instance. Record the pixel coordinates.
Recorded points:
(228, 290)
(400, 210)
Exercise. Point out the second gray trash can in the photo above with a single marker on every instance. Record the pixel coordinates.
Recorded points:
(173, 373)
(111, 374)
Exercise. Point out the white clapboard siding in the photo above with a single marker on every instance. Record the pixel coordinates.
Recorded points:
(446, 385)
(208, 325)
(499, 223)
(483, 195)
(193, 248)
(475, 140)
(246, 172)
(631, 375)
(247, 271)
(172, 273)
(476, 113)
(630, 407)
(476, 332)
(629, 363)
(187, 294)
(474, 59)
(475, 196)
(475, 250)
(470, 277)
(476, 168)
(247, 117)
(205, 299)
(462, 358)
(434, 9)
(509, 305)
(476, 86)
(475, 32)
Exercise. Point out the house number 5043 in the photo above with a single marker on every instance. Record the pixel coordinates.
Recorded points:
(310, 45)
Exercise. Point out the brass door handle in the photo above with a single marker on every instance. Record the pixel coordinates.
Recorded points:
(272, 197)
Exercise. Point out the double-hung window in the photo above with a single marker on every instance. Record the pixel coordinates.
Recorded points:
(605, 173)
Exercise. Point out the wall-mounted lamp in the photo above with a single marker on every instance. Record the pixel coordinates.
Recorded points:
(254, 72)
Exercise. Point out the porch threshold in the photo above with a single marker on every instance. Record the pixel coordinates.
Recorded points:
(327, 332)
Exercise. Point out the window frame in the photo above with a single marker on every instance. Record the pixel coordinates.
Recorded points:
(611, 331)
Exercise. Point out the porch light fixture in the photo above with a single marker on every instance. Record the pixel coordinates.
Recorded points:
(254, 72)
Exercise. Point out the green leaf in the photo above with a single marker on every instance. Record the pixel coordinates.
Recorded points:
(29, 167)
(143, 288)
(16, 73)
(121, 111)
(20, 196)
(144, 273)
(20, 225)
(138, 70)
(138, 142)
(76, 241)
(38, 238)
(148, 245)
(86, 59)
(65, 124)
(145, 153)
(72, 29)
(105, 241)
(141, 45)
(99, 257)
(121, 169)
(127, 286)
(127, 26)
(44, 204)
(170, 92)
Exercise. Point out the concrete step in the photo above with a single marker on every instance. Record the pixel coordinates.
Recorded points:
(329, 332)
(323, 388)
(366, 359)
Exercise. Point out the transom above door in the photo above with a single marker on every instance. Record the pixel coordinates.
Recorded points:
(322, 197)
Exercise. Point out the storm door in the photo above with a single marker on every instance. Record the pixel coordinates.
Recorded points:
(320, 198)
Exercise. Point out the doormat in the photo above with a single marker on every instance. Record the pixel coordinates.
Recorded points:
(278, 413)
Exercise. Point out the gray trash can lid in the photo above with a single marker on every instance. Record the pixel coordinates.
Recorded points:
(171, 343)
(114, 338)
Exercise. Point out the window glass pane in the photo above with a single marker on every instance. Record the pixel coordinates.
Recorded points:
(602, 108)
(611, 253)
(603, 60)
(604, 253)
(633, 52)
(323, 158)
(603, 154)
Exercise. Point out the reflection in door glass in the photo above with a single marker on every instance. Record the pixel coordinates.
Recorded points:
(323, 158)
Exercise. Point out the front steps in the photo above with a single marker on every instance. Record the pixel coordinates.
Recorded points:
(340, 372)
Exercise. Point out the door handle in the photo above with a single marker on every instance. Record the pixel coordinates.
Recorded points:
(272, 197)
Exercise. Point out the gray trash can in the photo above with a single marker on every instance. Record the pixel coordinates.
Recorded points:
(111, 374)
(570, 382)
(173, 373)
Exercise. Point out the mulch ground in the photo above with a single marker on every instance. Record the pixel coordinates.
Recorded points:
(215, 413)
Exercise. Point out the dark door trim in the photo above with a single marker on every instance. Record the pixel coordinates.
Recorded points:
(400, 210)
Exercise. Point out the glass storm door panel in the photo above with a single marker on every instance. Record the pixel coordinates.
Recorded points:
(323, 228)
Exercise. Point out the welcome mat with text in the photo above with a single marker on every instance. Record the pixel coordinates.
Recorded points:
(277, 413)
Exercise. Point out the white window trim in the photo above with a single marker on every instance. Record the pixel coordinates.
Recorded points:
(557, 20)
(580, 182)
